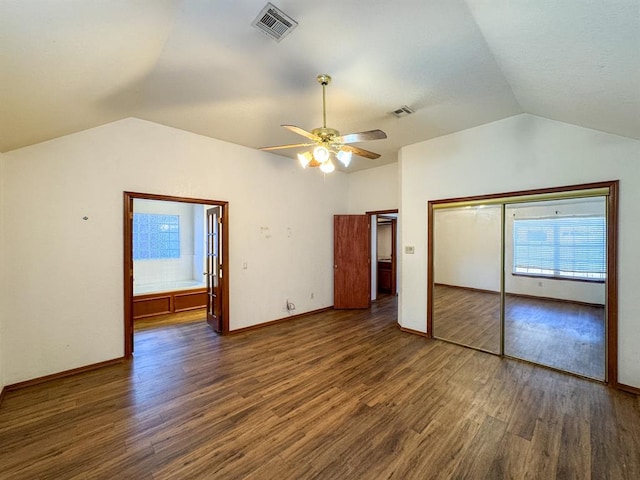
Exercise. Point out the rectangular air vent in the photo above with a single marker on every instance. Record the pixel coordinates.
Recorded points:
(274, 22)
(403, 111)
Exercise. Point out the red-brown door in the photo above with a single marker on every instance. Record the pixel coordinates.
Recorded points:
(351, 264)
(214, 273)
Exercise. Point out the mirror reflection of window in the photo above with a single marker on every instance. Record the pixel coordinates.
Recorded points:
(555, 272)
(568, 246)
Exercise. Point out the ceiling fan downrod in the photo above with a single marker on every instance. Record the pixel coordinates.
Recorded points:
(324, 80)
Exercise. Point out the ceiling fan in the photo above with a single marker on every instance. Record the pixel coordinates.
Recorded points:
(327, 140)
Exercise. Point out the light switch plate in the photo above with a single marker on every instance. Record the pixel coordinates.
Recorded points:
(409, 249)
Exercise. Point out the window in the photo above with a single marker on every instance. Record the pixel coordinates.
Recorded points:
(560, 247)
(156, 236)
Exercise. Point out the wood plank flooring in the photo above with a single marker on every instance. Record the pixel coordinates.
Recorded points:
(558, 334)
(337, 395)
(170, 319)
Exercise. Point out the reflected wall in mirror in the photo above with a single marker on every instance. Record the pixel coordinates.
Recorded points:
(466, 266)
(555, 272)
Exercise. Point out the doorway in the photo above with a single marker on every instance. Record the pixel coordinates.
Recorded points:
(209, 292)
(384, 252)
(357, 257)
(529, 275)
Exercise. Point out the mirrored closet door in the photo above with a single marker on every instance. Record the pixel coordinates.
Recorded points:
(528, 275)
(555, 272)
(466, 289)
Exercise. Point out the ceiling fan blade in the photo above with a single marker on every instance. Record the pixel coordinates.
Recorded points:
(361, 152)
(361, 136)
(293, 145)
(302, 132)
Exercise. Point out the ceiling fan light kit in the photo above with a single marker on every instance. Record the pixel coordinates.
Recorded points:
(321, 154)
(327, 141)
(327, 167)
(344, 157)
(305, 159)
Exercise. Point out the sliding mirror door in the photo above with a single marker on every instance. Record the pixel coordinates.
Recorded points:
(529, 275)
(555, 268)
(466, 275)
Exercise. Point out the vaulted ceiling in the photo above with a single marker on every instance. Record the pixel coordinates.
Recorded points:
(199, 65)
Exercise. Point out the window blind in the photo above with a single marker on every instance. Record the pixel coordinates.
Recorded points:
(561, 247)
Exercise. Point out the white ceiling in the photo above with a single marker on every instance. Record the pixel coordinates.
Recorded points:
(199, 65)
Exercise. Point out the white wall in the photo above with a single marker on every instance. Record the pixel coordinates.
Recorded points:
(467, 247)
(199, 241)
(384, 240)
(374, 189)
(65, 298)
(519, 153)
(161, 270)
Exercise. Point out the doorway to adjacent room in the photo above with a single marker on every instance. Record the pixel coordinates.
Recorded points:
(175, 261)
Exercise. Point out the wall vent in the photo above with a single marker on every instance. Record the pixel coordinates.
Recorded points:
(274, 22)
(403, 111)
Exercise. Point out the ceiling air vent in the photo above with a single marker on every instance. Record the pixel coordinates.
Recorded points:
(274, 22)
(403, 111)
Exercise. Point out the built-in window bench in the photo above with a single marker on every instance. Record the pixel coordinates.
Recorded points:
(173, 301)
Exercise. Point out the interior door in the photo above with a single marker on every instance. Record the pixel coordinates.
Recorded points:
(214, 273)
(351, 265)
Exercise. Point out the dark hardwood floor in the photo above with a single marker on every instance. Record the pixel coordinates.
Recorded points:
(563, 335)
(170, 319)
(337, 395)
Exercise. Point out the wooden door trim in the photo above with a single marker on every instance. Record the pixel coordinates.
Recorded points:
(394, 254)
(612, 285)
(381, 212)
(128, 258)
(611, 341)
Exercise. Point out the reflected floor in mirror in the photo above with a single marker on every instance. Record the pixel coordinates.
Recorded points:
(563, 335)
(468, 317)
